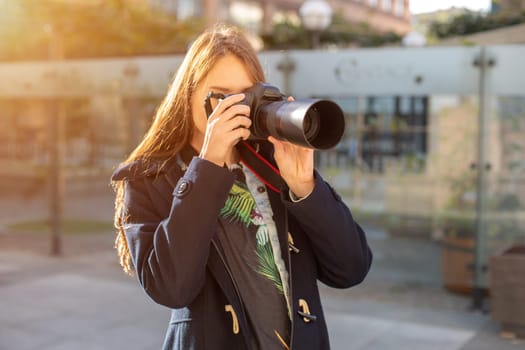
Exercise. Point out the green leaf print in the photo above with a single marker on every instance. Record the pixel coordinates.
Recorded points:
(267, 267)
(239, 205)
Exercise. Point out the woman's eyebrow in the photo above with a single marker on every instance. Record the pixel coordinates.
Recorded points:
(220, 89)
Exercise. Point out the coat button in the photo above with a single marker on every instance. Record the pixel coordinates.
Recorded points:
(261, 189)
(305, 312)
(183, 188)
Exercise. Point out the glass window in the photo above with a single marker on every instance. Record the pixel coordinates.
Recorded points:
(381, 131)
(395, 127)
(387, 5)
(400, 8)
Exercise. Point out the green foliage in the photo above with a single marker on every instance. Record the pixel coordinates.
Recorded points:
(90, 29)
(286, 35)
(290, 35)
(457, 224)
(472, 22)
(343, 33)
(460, 185)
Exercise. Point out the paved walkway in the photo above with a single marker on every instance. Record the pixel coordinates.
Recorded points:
(86, 302)
(83, 301)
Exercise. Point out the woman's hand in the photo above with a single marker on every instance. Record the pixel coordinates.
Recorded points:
(228, 124)
(296, 164)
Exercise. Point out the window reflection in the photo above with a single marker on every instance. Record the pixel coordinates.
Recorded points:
(384, 129)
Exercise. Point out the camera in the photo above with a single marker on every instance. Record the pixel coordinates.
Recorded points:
(312, 123)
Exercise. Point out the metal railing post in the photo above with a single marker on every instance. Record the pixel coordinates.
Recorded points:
(483, 62)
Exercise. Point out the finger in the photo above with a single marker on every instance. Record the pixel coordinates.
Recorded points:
(229, 101)
(230, 113)
(244, 133)
(225, 104)
(233, 137)
(277, 144)
(228, 130)
(238, 121)
(290, 99)
(223, 130)
(234, 111)
(275, 141)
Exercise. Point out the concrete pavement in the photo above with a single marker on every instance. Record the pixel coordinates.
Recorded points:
(83, 301)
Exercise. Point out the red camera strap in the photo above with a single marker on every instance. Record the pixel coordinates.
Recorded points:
(261, 167)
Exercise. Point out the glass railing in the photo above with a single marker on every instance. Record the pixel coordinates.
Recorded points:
(434, 145)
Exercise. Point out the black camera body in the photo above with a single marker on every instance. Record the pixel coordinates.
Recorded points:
(312, 123)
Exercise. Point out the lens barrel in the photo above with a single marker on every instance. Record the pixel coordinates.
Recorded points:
(313, 123)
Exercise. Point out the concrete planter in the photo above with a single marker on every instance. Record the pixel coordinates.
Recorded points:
(457, 259)
(507, 284)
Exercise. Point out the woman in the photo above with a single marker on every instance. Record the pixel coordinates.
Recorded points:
(235, 258)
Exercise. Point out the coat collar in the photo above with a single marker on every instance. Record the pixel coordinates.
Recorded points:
(143, 167)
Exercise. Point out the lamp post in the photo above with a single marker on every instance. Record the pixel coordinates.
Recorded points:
(57, 142)
(316, 16)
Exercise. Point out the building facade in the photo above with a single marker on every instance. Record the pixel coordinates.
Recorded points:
(381, 15)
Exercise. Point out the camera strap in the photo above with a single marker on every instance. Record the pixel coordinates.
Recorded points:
(261, 167)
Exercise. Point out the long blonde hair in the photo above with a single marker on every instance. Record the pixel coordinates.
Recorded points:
(172, 126)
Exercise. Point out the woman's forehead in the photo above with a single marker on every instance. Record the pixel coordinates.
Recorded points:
(228, 75)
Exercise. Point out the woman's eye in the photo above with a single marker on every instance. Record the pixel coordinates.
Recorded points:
(216, 97)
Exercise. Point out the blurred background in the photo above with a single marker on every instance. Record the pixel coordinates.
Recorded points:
(432, 163)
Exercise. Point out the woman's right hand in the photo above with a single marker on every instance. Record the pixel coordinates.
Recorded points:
(227, 125)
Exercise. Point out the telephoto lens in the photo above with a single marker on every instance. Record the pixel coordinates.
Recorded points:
(313, 123)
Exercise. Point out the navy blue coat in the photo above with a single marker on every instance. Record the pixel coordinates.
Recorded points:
(171, 219)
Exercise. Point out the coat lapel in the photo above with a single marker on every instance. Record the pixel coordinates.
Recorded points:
(217, 266)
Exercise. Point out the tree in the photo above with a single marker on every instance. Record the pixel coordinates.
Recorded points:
(288, 34)
(91, 29)
(473, 22)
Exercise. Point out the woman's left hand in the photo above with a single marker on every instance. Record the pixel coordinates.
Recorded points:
(296, 164)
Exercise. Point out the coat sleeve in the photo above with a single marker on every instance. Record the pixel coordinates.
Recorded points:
(170, 253)
(339, 243)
